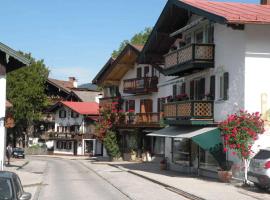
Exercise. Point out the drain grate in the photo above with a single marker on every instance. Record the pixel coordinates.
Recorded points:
(183, 193)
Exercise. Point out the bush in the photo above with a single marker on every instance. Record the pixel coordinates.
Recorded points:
(111, 145)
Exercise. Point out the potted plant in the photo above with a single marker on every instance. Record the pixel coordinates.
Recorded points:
(225, 173)
(182, 97)
(163, 164)
(169, 98)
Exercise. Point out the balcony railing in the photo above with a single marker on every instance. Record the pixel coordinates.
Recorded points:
(66, 135)
(188, 110)
(141, 85)
(107, 101)
(141, 119)
(193, 56)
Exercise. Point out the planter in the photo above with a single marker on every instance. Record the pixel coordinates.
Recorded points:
(225, 176)
(163, 166)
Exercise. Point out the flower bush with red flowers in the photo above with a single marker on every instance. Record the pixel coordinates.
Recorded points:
(239, 132)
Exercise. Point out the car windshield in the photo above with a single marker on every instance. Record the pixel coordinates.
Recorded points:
(18, 149)
(5, 189)
(263, 154)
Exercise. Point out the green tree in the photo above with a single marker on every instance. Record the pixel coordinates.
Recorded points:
(26, 91)
(138, 39)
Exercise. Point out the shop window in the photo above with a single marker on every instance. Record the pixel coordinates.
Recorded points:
(62, 114)
(74, 114)
(181, 151)
(158, 147)
(207, 161)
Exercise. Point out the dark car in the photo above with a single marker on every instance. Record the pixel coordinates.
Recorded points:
(11, 187)
(18, 153)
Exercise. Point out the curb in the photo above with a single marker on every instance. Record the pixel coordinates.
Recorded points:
(168, 187)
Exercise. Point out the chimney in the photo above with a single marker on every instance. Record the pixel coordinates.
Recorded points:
(265, 2)
(73, 81)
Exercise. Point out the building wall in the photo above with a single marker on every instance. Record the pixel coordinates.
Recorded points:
(132, 73)
(68, 121)
(257, 66)
(229, 57)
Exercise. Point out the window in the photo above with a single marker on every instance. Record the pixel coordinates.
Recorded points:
(158, 145)
(210, 33)
(139, 72)
(224, 86)
(130, 105)
(5, 188)
(181, 151)
(188, 39)
(74, 114)
(62, 114)
(18, 187)
(146, 71)
(197, 89)
(207, 161)
(199, 37)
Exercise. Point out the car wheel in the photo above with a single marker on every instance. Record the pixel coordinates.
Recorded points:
(261, 187)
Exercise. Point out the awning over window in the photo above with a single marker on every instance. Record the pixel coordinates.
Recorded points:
(206, 138)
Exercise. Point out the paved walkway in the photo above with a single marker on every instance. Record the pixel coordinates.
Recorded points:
(204, 188)
(30, 178)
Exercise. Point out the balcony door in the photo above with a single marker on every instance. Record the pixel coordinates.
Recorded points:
(197, 89)
(146, 106)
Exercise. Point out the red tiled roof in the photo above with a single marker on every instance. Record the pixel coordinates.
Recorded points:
(84, 108)
(234, 12)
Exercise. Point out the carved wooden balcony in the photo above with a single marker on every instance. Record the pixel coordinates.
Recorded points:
(189, 59)
(141, 85)
(189, 112)
(141, 120)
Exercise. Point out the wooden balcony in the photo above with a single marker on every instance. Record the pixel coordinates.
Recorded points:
(141, 85)
(66, 136)
(141, 120)
(107, 101)
(188, 59)
(189, 112)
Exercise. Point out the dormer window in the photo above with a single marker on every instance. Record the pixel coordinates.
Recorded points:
(74, 114)
(62, 114)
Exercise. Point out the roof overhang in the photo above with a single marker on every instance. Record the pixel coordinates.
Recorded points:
(11, 58)
(114, 72)
(174, 16)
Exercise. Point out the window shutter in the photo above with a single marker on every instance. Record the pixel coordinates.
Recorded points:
(158, 104)
(226, 85)
(202, 88)
(212, 87)
(139, 72)
(174, 90)
(126, 106)
(191, 90)
(183, 88)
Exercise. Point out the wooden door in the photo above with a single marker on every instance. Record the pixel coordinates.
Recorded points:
(146, 106)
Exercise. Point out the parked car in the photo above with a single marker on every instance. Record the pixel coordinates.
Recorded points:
(18, 153)
(11, 187)
(259, 169)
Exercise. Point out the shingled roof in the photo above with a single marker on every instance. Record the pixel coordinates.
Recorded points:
(65, 85)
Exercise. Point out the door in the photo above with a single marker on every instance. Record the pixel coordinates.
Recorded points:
(89, 147)
(146, 106)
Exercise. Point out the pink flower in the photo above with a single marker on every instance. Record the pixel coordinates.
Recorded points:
(225, 149)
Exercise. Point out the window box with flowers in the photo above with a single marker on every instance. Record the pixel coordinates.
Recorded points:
(239, 132)
(181, 97)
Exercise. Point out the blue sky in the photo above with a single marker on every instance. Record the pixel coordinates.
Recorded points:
(75, 37)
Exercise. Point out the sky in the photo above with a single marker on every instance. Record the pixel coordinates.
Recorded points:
(75, 37)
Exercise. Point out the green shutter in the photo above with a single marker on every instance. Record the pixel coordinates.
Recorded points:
(174, 90)
(226, 85)
(212, 87)
(191, 90)
(202, 88)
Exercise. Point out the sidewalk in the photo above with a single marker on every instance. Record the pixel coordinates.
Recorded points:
(203, 188)
(30, 180)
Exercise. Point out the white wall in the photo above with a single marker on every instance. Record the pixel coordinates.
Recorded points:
(132, 73)
(2, 119)
(257, 71)
(68, 121)
(229, 57)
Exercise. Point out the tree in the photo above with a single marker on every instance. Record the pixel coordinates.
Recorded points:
(138, 39)
(239, 132)
(26, 91)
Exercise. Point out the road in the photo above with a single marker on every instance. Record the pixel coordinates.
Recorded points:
(67, 179)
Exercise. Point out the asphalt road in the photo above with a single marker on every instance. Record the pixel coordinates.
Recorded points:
(66, 179)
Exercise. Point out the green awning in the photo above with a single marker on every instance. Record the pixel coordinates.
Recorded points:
(209, 139)
(206, 137)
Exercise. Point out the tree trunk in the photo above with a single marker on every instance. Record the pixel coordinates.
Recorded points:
(246, 165)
